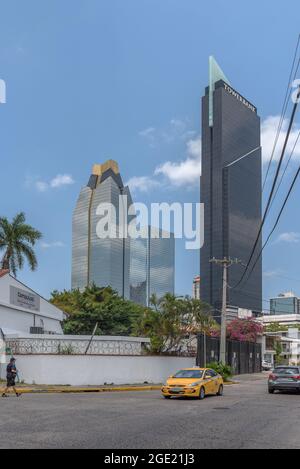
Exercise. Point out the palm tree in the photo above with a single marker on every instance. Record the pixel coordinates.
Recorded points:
(17, 239)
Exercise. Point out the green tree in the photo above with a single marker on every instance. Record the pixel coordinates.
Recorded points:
(279, 360)
(114, 315)
(276, 327)
(17, 239)
(172, 320)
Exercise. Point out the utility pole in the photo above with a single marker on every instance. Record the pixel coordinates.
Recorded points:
(226, 262)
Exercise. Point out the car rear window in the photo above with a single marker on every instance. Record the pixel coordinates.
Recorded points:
(287, 371)
(189, 374)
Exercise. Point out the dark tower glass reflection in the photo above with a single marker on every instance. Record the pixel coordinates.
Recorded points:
(230, 191)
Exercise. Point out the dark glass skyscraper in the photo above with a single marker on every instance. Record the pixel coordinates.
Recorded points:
(230, 191)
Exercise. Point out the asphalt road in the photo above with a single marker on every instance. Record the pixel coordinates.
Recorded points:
(245, 417)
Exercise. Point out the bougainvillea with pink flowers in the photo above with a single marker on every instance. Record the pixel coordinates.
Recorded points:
(244, 330)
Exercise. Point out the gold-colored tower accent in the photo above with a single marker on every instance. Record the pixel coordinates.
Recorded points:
(99, 169)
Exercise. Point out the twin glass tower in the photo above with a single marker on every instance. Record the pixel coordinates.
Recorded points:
(230, 191)
(135, 268)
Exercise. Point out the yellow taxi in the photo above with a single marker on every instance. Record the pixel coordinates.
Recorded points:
(193, 382)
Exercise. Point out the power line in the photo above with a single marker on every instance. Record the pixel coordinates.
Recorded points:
(283, 111)
(264, 300)
(272, 190)
(286, 167)
(290, 157)
(278, 218)
(287, 95)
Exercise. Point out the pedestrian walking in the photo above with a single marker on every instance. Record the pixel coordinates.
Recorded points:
(11, 374)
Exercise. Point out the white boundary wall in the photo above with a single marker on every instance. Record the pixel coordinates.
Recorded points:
(96, 370)
(31, 344)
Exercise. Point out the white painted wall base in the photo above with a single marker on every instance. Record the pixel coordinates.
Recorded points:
(84, 370)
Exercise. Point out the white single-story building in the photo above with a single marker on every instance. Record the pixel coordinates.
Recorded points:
(286, 335)
(23, 310)
(282, 319)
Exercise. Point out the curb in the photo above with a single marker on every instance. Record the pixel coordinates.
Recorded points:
(72, 390)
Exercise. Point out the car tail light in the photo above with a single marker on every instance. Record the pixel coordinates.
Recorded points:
(297, 377)
(272, 377)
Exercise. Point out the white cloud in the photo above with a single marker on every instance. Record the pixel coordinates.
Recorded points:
(187, 171)
(59, 181)
(62, 180)
(194, 148)
(178, 123)
(149, 131)
(142, 184)
(272, 273)
(291, 237)
(175, 130)
(55, 244)
(183, 173)
(268, 134)
(41, 186)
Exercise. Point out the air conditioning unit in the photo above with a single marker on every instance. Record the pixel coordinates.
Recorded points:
(36, 330)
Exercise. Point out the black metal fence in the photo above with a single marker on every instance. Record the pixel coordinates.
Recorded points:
(243, 357)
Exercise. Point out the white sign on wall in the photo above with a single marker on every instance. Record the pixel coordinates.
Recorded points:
(245, 313)
(24, 299)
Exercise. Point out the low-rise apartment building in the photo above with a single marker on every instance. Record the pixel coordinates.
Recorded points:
(281, 339)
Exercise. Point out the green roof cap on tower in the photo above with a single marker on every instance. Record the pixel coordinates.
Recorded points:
(215, 74)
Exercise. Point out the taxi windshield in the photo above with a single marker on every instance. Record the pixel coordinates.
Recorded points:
(189, 374)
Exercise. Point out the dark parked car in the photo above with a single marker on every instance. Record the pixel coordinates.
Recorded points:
(284, 378)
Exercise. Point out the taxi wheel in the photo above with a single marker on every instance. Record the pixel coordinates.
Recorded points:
(202, 393)
(221, 390)
(167, 397)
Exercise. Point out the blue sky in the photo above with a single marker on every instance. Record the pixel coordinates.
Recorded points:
(123, 79)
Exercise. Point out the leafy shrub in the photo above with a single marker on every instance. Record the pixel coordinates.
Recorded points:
(67, 350)
(223, 370)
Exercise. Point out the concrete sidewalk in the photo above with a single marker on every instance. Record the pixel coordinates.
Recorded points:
(40, 389)
(251, 377)
(31, 389)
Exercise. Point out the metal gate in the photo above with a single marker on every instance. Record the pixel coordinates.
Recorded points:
(243, 357)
